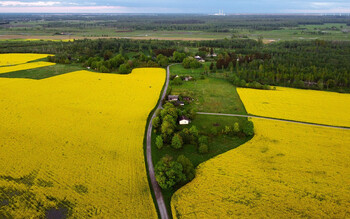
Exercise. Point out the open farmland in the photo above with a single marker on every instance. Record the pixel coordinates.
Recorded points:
(286, 171)
(20, 67)
(73, 145)
(15, 62)
(19, 58)
(320, 107)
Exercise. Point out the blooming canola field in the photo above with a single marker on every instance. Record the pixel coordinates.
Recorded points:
(73, 145)
(19, 58)
(312, 106)
(287, 170)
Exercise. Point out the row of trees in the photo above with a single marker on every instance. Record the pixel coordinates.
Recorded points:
(84, 49)
(314, 64)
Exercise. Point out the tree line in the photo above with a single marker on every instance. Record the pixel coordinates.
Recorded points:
(315, 64)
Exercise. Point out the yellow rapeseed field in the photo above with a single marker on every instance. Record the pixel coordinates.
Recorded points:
(43, 39)
(286, 171)
(25, 66)
(19, 58)
(321, 107)
(73, 144)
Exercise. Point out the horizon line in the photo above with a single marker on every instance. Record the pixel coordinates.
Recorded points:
(189, 13)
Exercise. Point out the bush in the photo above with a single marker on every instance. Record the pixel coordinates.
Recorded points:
(104, 69)
(186, 135)
(203, 149)
(123, 69)
(159, 142)
(248, 128)
(188, 168)
(214, 131)
(266, 87)
(194, 134)
(236, 127)
(227, 130)
(156, 122)
(203, 139)
(177, 81)
(191, 62)
(176, 141)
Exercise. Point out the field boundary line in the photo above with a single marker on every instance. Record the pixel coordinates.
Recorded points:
(275, 119)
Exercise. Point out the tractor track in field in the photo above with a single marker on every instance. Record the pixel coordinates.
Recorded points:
(276, 119)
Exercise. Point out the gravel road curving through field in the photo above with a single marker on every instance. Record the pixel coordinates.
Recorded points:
(157, 190)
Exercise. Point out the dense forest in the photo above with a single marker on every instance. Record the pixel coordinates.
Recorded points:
(301, 64)
(313, 64)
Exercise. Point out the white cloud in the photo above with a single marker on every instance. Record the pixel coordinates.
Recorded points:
(321, 4)
(319, 11)
(28, 4)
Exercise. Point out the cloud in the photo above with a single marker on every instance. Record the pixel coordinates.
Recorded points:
(321, 4)
(320, 11)
(28, 4)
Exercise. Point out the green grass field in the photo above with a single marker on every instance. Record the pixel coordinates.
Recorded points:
(43, 72)
(303, 32)
(180, 70)
(214, 95)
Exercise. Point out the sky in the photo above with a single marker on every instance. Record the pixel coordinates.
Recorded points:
(175, 6)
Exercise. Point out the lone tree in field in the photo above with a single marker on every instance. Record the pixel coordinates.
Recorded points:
(168, 172)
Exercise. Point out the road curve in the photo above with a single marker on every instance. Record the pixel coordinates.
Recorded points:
(283, 120)
(157, 190)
